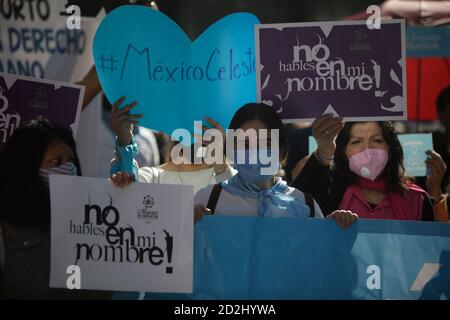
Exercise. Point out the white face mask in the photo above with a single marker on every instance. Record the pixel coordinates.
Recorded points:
(68, 169)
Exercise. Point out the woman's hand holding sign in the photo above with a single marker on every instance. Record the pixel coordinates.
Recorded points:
(344, 218)
(122, 121)
(199, 212)
(122, 179)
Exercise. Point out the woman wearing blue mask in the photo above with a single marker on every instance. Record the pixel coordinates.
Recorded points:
(257, 190)
(35, 151)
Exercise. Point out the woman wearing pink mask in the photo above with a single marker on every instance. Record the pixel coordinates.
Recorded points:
(367, 175)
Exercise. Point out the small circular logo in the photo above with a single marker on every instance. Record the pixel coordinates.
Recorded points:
(149, 202)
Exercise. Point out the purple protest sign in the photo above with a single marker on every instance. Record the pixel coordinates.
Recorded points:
(23, 98)
(308, 69)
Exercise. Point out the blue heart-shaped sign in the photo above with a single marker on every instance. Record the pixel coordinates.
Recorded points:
(142, 54)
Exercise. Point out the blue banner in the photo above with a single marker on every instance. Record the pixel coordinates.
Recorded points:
(283, 258)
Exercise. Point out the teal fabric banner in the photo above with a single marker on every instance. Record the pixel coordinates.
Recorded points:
(283, 258)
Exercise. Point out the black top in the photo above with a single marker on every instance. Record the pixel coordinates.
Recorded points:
(317, 180)
(26, 271)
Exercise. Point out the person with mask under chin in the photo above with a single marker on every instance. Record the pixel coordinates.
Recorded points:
(36, 150)
(358, 166)
(257, 189)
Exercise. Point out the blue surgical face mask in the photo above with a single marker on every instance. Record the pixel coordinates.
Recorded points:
(68, 169)
(256, 165)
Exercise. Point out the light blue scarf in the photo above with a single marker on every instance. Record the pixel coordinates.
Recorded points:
(272, 202)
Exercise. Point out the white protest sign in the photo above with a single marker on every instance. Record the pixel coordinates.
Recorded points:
(35, 39)
(132, 239)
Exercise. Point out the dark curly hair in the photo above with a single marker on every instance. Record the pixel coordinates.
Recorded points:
(24, 197)
(394, 172)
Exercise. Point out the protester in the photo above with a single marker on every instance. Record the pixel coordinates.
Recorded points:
(35, 150)
(367, 175)
(437, 169)
(252, 192)
(441, 138)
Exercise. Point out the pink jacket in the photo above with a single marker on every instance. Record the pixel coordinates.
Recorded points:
(393, 207)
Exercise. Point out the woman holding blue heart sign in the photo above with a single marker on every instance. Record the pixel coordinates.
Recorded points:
(185, 171)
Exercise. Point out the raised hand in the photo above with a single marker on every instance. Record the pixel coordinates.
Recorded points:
(122, 122)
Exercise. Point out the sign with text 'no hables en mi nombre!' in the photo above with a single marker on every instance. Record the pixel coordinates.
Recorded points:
(343, 68)
(135, 239)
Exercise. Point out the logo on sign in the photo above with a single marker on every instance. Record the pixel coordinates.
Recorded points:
(361, 44)
(147, 213)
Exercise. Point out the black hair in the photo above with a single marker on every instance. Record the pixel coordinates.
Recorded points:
(443, 100)
(264, 113)
(24, 197)
(394, 172)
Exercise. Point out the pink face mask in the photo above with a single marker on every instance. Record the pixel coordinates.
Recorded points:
(369, 163)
